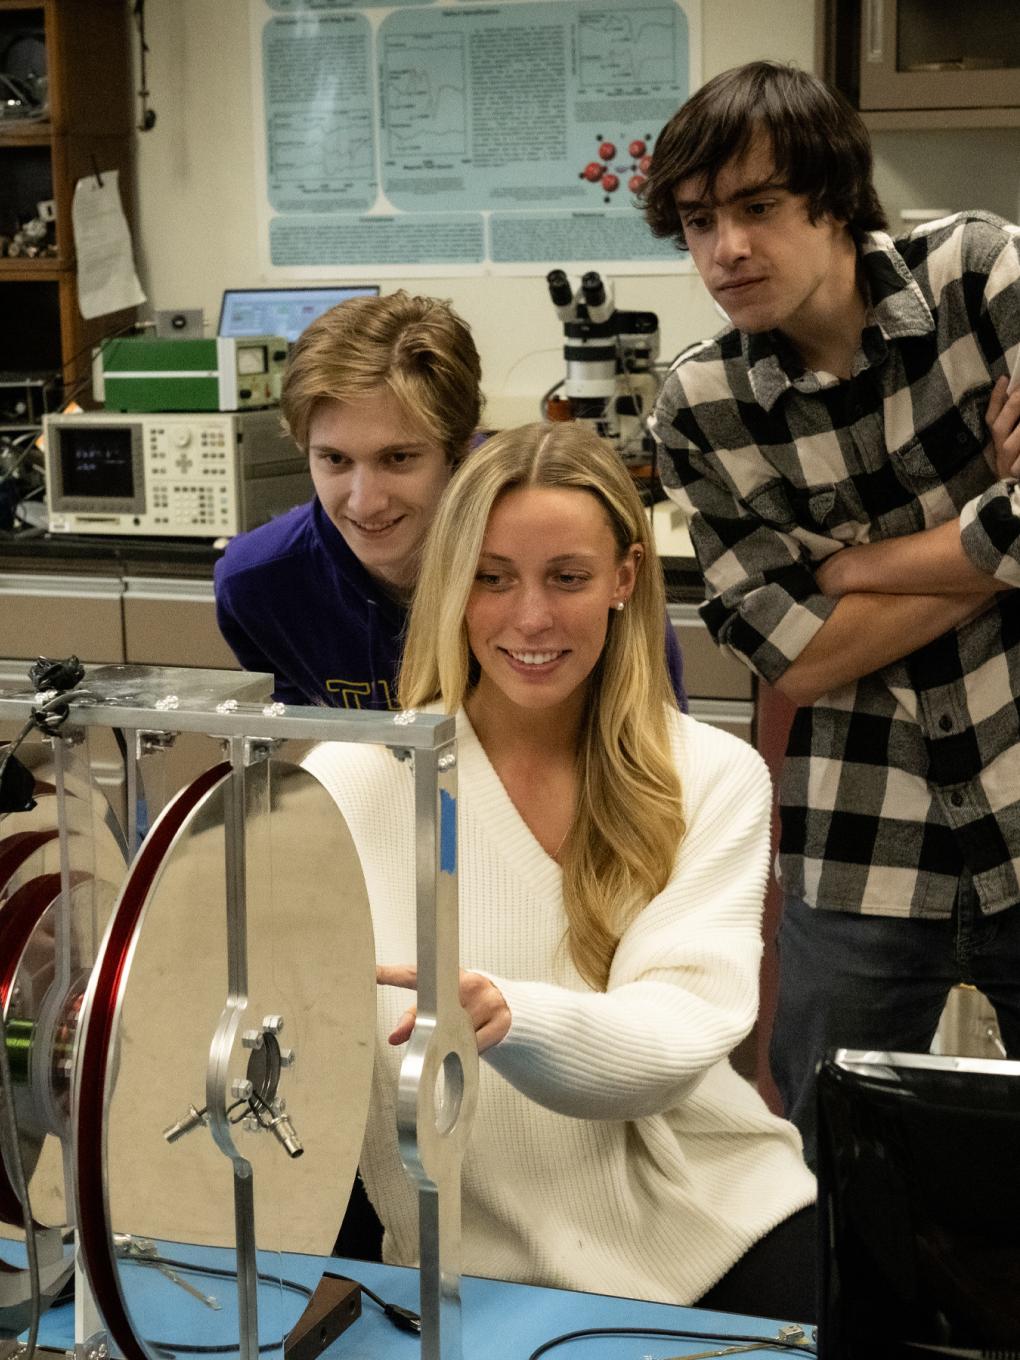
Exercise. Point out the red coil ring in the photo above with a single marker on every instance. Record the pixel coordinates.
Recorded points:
(94, 1228)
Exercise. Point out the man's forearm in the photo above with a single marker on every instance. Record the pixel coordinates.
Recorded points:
(931, 562)
(867, 631)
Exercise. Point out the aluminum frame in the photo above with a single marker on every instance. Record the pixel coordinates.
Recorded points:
(438, 1076)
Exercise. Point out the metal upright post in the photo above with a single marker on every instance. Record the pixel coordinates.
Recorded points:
(439, 1075)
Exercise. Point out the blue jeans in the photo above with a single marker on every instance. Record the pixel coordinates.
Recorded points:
(850, 981)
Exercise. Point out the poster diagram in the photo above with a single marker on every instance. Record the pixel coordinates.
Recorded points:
(321, 149)
(425, 95)
(513, 133)
(319, 114)
(624, 50)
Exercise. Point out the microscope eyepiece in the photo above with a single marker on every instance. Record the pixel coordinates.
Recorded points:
(559, 288)
(593, 288)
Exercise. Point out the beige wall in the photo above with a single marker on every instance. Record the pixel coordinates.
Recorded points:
(198, 231)
(962, 168)
(197, 191)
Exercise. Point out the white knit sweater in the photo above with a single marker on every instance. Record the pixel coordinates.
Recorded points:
(614, 1149)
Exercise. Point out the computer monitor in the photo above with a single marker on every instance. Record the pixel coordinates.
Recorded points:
(919, 1207)
(282, 311)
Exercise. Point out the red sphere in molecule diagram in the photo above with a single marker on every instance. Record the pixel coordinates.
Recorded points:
(645, 164)
(635, 182)
(593, 171)
(610, 183)
(637, 148)
(607, 150)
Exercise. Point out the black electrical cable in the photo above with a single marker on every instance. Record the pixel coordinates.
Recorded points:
(148, 121)
(403, 1318)
(29, 441)
(218, 1273)
(734, 1338)
(48, 717)
(93, 344)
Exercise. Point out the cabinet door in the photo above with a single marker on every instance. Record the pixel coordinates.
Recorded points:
(56, 616)
(171, 622)
(924, 54)
(708, 672)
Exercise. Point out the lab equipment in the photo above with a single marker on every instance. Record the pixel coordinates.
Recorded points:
(610, 356)
(188, 1026)
(919, 1206)
(196, 475)
(156, 373)
(283, 311)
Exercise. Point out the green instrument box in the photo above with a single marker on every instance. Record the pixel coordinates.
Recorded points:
(146, 373)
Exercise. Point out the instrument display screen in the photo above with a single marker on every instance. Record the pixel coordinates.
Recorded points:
(98, 462)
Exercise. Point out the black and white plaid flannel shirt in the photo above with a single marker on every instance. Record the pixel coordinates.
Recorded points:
(896, 782)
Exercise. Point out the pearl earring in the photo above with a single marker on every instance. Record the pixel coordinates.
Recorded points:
(618, 606)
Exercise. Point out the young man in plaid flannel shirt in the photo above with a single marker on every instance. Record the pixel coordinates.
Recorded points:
(848, 454)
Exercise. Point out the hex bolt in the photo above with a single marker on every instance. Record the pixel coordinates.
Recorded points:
(242, 1088)
(272, 1024)
(286, 1057)
(252, 1038)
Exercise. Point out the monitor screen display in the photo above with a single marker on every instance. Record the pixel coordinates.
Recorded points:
(919, 1207)
(282, 311)
(98, 462)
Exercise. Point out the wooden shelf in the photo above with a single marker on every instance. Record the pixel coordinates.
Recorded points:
(39, 269)
(26, 134)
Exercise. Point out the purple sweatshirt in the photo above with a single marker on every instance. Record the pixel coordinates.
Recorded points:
(293, 600)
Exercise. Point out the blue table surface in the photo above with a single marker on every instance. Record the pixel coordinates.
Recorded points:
(500, 1321)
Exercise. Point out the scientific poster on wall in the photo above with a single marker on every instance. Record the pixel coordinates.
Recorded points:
(448, 137)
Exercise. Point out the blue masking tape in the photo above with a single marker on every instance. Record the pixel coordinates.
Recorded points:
(447, 833)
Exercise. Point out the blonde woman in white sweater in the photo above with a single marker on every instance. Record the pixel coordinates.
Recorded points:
(612, 863)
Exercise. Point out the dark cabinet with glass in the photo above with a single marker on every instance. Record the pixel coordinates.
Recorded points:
(924, 63)
(65, 112)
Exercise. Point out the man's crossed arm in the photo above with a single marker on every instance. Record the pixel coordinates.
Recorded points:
(897, 594)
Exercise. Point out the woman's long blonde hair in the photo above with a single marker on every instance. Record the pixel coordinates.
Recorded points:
(629, 818)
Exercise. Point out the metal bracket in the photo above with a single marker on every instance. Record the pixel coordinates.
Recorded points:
(147, 743)
(258, 749)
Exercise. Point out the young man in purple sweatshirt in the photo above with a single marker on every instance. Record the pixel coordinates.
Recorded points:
(383, 395)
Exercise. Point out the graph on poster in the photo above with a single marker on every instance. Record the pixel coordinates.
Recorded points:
(631, 48)
(425, 95)
(319, 148)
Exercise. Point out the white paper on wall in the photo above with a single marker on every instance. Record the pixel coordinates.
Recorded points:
(107, 280)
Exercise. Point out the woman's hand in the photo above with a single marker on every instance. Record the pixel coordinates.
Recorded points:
(485, 1004)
